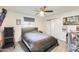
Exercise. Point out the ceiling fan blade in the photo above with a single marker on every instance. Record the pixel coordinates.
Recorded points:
(48, 11)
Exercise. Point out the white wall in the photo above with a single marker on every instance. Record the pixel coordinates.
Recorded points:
(48, 27)
(41, 23)
(57, 20)
(10, 21)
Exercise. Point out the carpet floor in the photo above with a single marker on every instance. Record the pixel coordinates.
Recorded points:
(20, 47)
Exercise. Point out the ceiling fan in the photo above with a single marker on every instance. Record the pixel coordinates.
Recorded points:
(43, 10)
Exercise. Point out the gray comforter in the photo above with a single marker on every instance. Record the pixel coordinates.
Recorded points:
(38, 41)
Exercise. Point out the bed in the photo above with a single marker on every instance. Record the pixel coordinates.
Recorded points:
(37, 41)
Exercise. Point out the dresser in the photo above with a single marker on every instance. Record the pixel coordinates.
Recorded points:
(8, 37)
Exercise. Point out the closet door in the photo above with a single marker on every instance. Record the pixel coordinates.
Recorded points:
(56, 29)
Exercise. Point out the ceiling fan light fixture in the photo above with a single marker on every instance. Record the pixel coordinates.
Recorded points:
(41, 13)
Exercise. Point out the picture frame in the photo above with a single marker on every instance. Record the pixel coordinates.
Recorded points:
(71, 20)
(18, 21)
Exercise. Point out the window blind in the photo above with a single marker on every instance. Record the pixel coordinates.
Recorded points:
(27, 19)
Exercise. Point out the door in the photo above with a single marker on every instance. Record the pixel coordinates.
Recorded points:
(56, 29)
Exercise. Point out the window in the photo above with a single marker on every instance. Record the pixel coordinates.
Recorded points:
(27, 19)
(28, 22)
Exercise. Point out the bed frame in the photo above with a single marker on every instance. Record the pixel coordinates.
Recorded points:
(24, 30)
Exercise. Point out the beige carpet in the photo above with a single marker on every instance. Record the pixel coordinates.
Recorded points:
(16, 49)
(60, 48)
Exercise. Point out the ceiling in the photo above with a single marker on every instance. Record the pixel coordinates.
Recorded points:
(30, 10)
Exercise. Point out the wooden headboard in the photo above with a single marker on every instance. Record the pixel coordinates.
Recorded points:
(29, 29)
